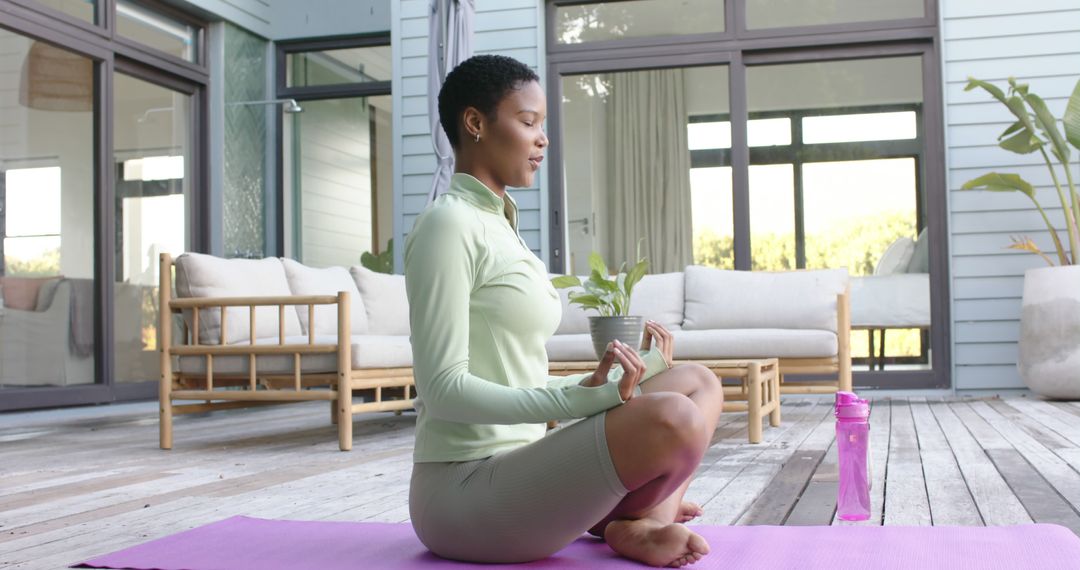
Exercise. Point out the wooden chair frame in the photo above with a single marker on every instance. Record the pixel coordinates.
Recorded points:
(277, 388)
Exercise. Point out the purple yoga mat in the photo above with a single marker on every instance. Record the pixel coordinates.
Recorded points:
(243, 543)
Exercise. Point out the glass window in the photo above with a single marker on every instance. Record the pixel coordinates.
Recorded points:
(82, 9)
(339, 172)
(338, 66)
(637, 19)
(152, 150)
(789, 13)
(628, 168)
(47, 248)
(157, 30)
(845, 203)
(860, 127)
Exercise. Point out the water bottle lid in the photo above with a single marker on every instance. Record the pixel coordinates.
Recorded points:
(848, 405)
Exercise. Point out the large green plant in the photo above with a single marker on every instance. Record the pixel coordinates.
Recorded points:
(610, 297)
(1036, 130)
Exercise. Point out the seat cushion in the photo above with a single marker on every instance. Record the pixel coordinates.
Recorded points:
(754, 343)
(385, 300)
(368, 351)
(723, 299)
(200, 275)
(304, 280)
(571, 347)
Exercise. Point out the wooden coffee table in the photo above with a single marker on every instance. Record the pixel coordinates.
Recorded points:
(758, 392)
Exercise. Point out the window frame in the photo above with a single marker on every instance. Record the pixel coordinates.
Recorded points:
(739, 49)
(111, 55)
(315, 93)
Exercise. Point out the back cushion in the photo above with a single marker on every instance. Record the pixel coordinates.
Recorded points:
(385, 300)
(575, 320)
(660, 298)
(304, 280)
(723, 299)
(22, 292)
(200, 275)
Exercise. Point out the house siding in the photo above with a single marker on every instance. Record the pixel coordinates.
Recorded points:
(1038, 43)
(506, 27)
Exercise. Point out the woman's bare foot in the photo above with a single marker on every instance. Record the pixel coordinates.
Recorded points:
(654, 543)
(688, 511)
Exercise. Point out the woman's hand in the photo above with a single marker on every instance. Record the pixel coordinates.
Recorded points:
(632, 364)
(665, 342)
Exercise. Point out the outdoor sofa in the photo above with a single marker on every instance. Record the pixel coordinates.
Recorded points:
(240, 332)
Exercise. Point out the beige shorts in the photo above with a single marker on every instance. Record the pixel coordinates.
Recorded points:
(520, 505)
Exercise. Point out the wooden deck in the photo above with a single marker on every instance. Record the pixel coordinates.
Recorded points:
(81, 484)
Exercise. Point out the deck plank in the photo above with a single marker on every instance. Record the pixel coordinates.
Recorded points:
(996, 502)
(950, 499)
(1040, 499)
(1056, 471)
(906, 500)
(817, 505)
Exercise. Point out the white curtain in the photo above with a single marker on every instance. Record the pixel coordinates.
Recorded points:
(450, 31)
(648, 194)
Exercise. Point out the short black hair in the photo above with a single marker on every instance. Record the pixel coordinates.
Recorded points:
(481, 82)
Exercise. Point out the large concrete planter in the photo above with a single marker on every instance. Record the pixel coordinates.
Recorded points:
(606, 329)
(1050, 332)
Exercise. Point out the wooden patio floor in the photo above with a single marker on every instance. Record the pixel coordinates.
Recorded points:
(74, 487)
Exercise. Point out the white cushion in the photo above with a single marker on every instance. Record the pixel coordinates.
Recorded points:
(754, 343)
(896, 257)
(891, 301)
(304, 280)
(660, 298)
(385, 300)
(575, 320)
(368, 351)
(920, 258)
(724, 299)
(570, 347)
(199, 275)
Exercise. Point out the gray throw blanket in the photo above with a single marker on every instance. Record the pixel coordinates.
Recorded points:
(82, 317)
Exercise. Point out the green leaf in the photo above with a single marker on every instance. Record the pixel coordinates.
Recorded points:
(597, 264)
(1012, 129)
(990, 88)
(635, 276)
(1072, 117)
(997, 182)
(1021, 88)
(564, 281)
(1016, 105)
(1048, 124)
(1021, 143)
(600, 280)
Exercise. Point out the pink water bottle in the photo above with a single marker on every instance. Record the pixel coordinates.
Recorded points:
(853, 446)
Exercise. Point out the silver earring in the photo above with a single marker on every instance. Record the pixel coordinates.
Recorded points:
(477, 137)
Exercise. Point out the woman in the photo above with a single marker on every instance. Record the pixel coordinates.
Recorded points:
(487, 484)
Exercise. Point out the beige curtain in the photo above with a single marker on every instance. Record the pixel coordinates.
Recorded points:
(648, 170)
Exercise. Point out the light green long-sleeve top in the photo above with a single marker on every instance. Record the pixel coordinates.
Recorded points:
(481, 308)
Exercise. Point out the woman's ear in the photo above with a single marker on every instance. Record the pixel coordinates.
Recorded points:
(474, 122)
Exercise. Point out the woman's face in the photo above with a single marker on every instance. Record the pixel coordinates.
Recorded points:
(512, 146)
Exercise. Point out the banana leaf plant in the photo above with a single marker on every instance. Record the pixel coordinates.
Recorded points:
(1036, 130)
(608, 296)
(382, 262)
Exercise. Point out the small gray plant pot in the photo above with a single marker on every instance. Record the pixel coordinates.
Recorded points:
(606, 329)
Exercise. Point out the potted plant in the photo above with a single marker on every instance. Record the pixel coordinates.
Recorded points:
(1049, 360)
(610, 297)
